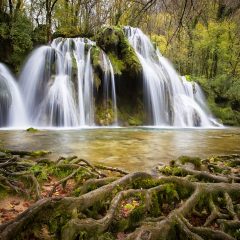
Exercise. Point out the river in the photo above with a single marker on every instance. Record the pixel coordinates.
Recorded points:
(129, 148)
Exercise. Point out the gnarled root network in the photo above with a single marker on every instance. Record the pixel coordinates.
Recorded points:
(188, 199)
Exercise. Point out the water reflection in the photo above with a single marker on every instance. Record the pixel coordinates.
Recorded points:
(132, 149)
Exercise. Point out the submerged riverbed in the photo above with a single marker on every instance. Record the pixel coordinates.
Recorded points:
(129, 148)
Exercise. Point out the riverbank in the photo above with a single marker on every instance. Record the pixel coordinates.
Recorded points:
(72, 198)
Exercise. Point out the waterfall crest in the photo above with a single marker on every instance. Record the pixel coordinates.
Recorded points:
(170, 99)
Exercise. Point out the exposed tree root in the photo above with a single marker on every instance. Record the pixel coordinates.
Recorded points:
(188, 199)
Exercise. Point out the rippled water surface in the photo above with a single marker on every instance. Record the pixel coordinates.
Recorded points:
(129, 148)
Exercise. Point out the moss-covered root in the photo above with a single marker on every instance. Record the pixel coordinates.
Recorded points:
(182, 203)
(62, 210)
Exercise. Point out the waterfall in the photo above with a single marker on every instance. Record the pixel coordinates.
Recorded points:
(58, 84)
(12, 111)
(170, 99)
(109, 86)
(65, 83)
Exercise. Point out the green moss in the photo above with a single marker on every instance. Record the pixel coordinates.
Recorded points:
(137, 214)
(97, 81)
(106, 236)
(121, 225)
(233, 164)
(171, 192)
(104, 114)
(40, 171)
(154, 207)
(132, 115)
(135, 121)
(145, 183)
(196, 161)
(59, 172)
(39, 153)
(82, 236)
(95, 56)
(32, 130)
(116, 45)
(167, 170)
(53, 225)
(96, 209)
(118, 64)
(129, 57)
(3, 192)
(77, 192)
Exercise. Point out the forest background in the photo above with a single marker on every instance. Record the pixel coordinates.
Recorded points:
(200, 37)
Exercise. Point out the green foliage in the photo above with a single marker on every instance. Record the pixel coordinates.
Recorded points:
(208, 52)
(39, 35)
(20, 35)
(223, 97)
(160, 42)
(234, 91)
(4, 30)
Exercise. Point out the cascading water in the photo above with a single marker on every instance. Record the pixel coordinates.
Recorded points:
(58, 84)
(60, 87)
(109, 86)
(12, 111)
(170, 100)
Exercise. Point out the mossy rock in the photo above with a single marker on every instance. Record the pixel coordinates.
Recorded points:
(132, 114)
(32, 130)
(196, 161)
(113, 41)
(104, 114)
(135, 121)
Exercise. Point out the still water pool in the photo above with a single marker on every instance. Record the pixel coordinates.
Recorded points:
(129, 148)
